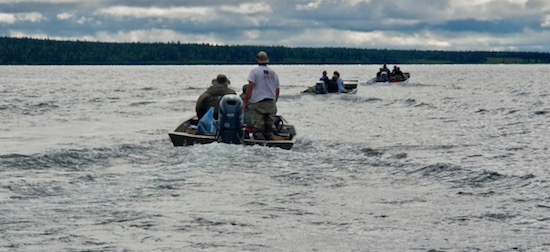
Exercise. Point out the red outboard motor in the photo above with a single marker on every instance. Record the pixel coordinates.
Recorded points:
(231, 119)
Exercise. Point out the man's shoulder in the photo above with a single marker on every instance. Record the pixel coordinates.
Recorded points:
(204, 94)
(261, 68)
(218, 90)
(258, 68)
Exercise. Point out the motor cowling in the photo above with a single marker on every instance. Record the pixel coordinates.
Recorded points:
(384, 76)
(320, 87)
(231, 119)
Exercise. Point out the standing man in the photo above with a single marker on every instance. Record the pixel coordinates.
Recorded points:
(261, 95)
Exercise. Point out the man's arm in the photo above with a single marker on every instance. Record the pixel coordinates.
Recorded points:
(248, 94)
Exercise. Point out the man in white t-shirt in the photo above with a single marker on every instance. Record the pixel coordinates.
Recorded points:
(261, 97)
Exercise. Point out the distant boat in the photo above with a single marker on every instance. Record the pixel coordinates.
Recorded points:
(389, 80)
(321, 88)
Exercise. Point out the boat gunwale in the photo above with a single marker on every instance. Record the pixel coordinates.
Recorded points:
(205, 139)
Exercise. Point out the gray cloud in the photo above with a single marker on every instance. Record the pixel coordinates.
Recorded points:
(406, 24)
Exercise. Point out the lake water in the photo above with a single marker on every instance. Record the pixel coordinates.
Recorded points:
(455, 160)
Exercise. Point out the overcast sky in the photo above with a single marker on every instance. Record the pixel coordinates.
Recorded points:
(511, 25)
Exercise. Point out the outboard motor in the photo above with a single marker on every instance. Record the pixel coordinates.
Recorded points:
(231, 119)
(384, 76)
(320, 87)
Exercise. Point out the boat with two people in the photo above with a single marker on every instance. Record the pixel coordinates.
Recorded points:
(321, 88)
(333, 85)
(229, 128)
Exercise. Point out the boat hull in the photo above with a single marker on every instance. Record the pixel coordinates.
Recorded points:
(374, 81)
(349, 85)
(185, 135)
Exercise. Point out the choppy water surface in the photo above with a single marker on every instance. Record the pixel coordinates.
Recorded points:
(455, 160)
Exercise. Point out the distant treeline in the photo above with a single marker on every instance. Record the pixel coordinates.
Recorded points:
(28, 51)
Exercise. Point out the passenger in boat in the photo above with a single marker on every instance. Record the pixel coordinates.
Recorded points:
(386, 69)
(261, 97)
(398, 75)
(332, 85)
(339, 82)
(247, 114)
(383, 74)
(325, 77)
(211, 97)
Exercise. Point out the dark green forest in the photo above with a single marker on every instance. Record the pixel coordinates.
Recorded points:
(29, 51)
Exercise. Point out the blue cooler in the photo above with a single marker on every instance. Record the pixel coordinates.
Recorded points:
(231, 119)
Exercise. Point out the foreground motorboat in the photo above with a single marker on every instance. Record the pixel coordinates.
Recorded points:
(185, 134)
(230, 128)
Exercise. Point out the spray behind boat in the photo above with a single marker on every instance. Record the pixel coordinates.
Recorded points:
(231, 119)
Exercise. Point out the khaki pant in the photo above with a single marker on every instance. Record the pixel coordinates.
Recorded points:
(262, 116)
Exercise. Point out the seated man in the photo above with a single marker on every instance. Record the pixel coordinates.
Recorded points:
(332, 85)
(324, 77)
(211, 97)
(339, 83)
(399, 75)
